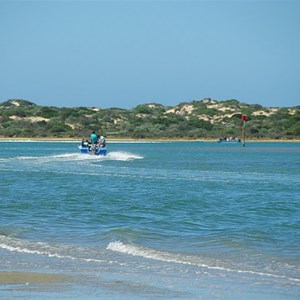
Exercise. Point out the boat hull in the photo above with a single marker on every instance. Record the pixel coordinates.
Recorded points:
(102, 151)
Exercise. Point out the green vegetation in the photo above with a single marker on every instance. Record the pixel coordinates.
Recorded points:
(206, 118)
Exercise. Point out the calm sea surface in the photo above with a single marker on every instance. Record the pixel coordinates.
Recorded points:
(195, 220)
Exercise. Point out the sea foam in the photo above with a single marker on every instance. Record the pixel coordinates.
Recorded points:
(40, 248)
(136, 250)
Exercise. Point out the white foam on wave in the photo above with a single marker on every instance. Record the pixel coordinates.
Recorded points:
(75, 253)
(118, 156)
(135, 250)
(75, 157)
(40, 248)
(122, 156)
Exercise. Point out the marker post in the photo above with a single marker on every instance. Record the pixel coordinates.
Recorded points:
(244, 119)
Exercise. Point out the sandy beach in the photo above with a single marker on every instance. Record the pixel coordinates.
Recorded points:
(29, 278)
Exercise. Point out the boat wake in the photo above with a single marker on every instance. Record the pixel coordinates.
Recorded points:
(117, 156)
(122, 156)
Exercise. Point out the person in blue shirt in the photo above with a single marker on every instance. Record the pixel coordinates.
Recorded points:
(94, 137)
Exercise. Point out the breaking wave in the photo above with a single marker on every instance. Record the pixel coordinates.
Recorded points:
(135, 250)
(40, 248)
(91, 255)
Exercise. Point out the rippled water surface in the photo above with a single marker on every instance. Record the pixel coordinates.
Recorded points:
(188, 220)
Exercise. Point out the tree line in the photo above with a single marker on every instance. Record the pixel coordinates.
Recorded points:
(205, 118)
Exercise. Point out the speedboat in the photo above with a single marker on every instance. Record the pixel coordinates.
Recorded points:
(93, 150)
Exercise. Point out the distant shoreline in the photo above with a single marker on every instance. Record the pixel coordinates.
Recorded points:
(55, 139)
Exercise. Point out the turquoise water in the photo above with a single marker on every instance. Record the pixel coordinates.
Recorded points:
(188, 220)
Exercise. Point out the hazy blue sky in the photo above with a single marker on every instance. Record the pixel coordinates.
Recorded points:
(125, 53)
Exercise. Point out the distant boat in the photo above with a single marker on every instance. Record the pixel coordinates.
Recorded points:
(229, 140)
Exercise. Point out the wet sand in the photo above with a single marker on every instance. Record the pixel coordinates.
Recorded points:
(30, 278)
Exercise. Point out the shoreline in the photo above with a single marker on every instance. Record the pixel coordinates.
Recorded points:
(15, 277)
(55, 139)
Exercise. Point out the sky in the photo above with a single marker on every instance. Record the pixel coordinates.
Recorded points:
(125, 53)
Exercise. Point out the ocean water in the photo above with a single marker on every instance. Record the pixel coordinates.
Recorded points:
(173, 220)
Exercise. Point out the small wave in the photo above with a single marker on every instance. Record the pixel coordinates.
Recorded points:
(40, 248)
(181, 259)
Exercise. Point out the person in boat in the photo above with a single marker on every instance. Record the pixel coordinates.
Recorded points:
(85, 143)
(94, 137)
(102, 140)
